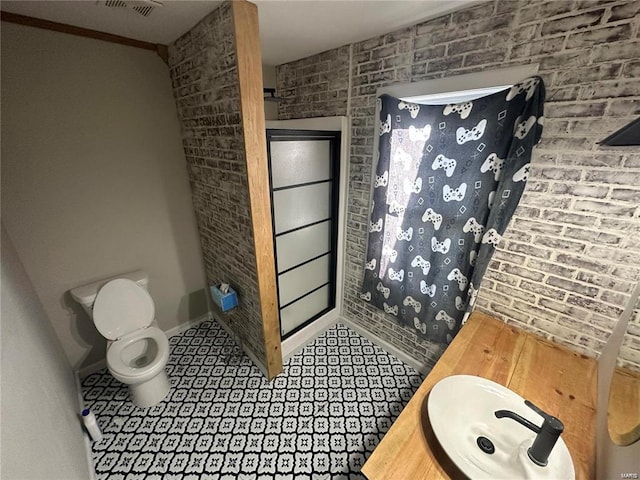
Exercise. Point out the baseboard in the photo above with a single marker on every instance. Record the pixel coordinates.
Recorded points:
(85, 434)
(386, 346)
(76, 376)
(183, 327)
(91, 369)
(261, 366)
(308, 334)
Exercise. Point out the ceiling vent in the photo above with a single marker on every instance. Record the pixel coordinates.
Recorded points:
(143, 7)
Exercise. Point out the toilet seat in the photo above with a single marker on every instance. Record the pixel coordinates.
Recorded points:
(124, 372)
(122, 307)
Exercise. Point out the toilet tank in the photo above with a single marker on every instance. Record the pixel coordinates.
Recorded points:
(86, 294)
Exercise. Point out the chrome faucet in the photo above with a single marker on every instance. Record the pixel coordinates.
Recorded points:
(547, 434)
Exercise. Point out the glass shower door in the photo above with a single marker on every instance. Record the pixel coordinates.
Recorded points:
(303, 169)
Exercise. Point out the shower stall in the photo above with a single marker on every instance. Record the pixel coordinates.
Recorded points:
(307, 171)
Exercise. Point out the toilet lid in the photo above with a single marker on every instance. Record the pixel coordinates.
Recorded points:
(122, 307)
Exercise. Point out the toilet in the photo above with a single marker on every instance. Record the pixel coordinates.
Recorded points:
(137, 350)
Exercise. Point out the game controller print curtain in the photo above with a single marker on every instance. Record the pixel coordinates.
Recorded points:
(447, 182)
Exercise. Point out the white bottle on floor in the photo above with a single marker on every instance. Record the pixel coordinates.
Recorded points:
(91, 424)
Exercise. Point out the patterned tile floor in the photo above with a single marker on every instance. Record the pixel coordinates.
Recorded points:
(320, 419)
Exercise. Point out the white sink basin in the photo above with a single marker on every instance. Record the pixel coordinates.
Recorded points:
(461, 409)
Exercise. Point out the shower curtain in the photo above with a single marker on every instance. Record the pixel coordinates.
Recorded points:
(447, 182)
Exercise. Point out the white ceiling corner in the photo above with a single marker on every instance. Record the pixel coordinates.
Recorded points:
(294, 29)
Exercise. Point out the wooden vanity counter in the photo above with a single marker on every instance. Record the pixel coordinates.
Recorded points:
(556, 379)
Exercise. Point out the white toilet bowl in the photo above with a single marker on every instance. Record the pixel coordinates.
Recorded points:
(138, 360)
(137, 351)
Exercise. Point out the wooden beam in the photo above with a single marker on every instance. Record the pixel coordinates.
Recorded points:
(249, 61)
(160, 49)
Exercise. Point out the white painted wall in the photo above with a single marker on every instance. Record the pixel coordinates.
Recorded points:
(41, 434)
(94, 181)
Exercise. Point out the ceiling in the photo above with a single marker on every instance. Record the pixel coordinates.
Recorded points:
(289, 29)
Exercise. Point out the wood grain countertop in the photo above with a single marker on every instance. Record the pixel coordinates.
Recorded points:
(556, 379)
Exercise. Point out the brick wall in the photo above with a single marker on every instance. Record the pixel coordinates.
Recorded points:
(205, 84)
(570, 256)
(316, 86)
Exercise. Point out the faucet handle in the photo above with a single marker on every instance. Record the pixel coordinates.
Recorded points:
(536, 409)
(550, 422)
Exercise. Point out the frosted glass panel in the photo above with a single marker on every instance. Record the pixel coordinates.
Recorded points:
(303, 194)
(296, 207)
(295, 162)
(301, 280)
(299, 312)
(296, 247)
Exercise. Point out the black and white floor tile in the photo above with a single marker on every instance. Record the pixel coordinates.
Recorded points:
(320, 419)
